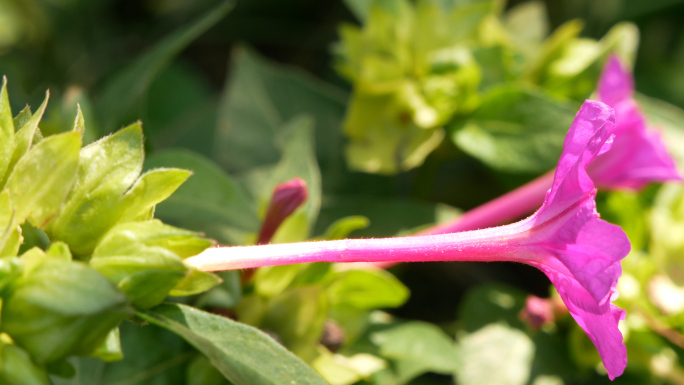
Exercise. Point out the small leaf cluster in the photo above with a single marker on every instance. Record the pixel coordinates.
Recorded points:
(80, 248)
(428, 69)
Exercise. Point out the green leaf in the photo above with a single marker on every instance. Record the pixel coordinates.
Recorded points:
(79, 121)
(243, 354)
(195, 282)
(362, 8)
(568, 66)
(154, 356)
(367, 289)
(149, 286)
(227, 295)
(342, 370)
(202, 372)
(23, 139)
(109, 190)
(416, 348)
(69, 113)
(13, 240)
(37, 191)
(490, 303)
(6, 130)
(666, 220)
(528, 25)
(384, 139)
(17, 368)
(10, 233)
(500, 354)
(22, 117)
(575, 72)
(57, 309)
(209, 199)
(153, 187)
(6, 215)
(110, 350)
(181, 109)
(10, 269)
(297, 317)
(132, 237)
(259, 100)
(145, 259)
(515, 130)
(298, 160)
(59, 250)
(551, 49)
(388, 216)
(122, 95)
(270, 281)
(61, 368)
(341, 228)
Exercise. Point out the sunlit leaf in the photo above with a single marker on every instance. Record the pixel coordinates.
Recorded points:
(23, 138)
(6, 129)
(515, 130)
(367, 289)
(500, 354)
(209, 199)
(37, 191)
(245, 356)
(17, 368)
(60, 308)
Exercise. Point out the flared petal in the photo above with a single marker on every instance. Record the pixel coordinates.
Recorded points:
(598, 321)
(590, 134)
(578, 251)
(638, 156)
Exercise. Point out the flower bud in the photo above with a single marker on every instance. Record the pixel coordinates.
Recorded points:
(287, 197)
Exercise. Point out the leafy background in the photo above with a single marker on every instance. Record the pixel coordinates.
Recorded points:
(246, 96)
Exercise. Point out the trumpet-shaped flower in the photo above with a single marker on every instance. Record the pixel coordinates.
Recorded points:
(565, 239)
(637, 157)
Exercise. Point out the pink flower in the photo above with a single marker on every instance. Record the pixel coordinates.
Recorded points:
(638, 156)
(565, 239)
(287, 197)
(537, 312)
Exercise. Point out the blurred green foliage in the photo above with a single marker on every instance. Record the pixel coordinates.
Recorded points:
(472, 97)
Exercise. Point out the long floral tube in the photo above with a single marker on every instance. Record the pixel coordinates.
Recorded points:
(504, 243)
(565, 238)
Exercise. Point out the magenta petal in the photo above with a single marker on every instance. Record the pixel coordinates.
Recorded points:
(579, 252)
(616, 83)
(638, 155)
(637, 158)
(589, 134)
(600, 322)
(589, 249)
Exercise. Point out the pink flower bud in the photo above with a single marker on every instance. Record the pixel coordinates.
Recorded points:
(287, 197)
